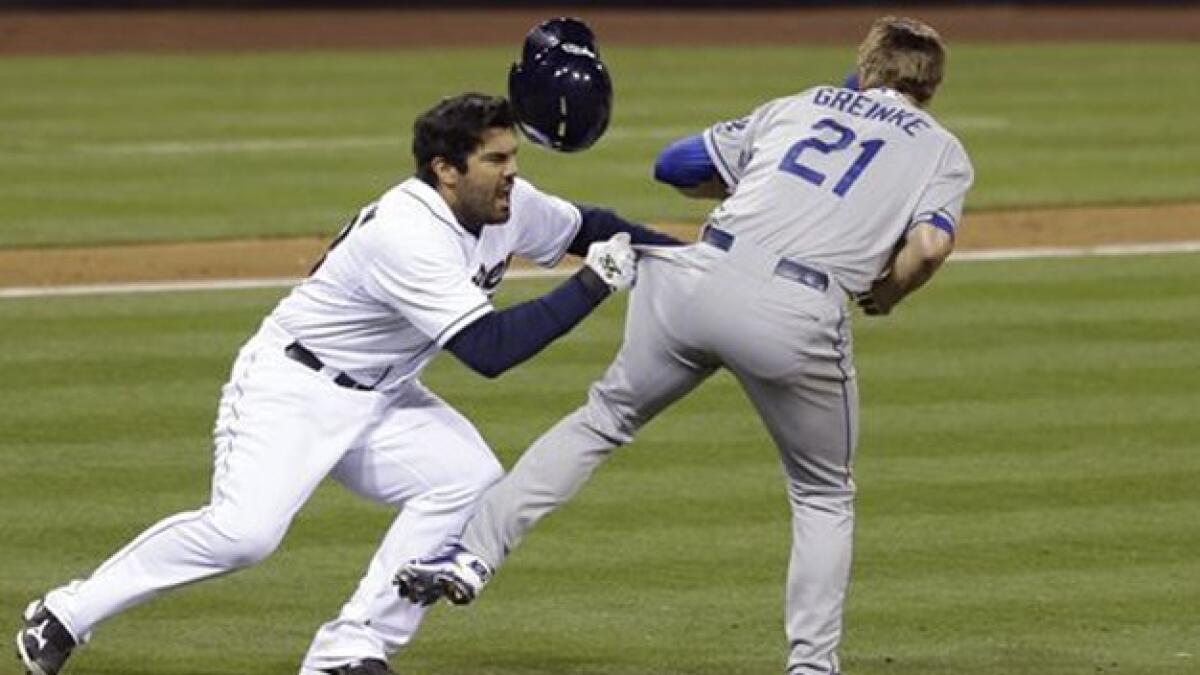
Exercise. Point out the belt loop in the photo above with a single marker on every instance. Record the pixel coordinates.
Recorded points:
(799, 272)
(715, 236)
(787, 268)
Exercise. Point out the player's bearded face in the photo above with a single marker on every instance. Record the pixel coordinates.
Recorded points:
(484, 191)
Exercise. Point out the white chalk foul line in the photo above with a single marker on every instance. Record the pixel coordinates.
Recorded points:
(143, 287)
(133, 287)
(1151, 248)
(1106, 250)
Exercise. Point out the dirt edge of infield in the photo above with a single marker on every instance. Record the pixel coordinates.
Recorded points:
(289, 257)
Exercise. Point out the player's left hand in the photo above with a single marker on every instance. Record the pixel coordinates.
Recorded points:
(867, 303)
(614, 261)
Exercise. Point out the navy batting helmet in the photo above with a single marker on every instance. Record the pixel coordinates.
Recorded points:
(560, 88)
(555, 31)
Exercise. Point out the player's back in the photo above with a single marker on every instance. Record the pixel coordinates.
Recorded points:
(835, 177)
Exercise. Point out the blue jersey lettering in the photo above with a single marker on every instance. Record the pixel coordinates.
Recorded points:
(860, 105)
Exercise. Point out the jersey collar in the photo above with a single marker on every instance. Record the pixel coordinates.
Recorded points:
(421, 191)
(888, 91)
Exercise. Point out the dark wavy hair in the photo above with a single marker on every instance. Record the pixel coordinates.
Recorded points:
(454, 128)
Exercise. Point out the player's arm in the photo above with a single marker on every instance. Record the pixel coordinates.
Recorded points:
(545, 227)
(930, 237)
(497, 341)
(599, 224)
(686, 165)
(922, 252)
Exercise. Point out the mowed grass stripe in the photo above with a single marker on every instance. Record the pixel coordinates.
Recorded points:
(1037, 136)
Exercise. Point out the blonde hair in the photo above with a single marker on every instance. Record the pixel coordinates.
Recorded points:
(902, 54)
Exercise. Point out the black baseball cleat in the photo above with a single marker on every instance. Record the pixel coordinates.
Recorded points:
(364, 667)
(44, 644)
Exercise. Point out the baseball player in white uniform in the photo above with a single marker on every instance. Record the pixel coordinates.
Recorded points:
(329, 386)
(833, 194)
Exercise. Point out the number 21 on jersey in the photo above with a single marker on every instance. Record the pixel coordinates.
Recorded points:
(791, 161)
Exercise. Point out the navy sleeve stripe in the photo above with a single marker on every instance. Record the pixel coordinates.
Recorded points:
(464, 320)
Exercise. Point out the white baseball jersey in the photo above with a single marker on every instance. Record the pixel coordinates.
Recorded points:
(404, 277)
(836, 177)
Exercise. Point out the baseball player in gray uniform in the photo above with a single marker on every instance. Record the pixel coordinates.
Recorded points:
(834, 195)
(329, 386)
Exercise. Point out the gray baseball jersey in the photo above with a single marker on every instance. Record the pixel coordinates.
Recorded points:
(836, 177)
(824, 185)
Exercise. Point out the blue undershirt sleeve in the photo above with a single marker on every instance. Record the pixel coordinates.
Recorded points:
(601, 224)
(497, 341)
(684, 163)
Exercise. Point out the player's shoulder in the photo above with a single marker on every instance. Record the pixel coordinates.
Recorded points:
(786, 101)
(788, 105)
(523, 189)
(953, 158)
(954, 146)
(736, 129)
(413, 196)
(537, 211)
(413, 208)
(528, 197)
(410, 221)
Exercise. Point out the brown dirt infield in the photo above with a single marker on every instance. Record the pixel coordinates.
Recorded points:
(134, 31)
(292, 257)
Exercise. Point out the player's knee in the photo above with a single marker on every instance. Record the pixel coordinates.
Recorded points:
(608, 416)
(825, 499)
(474, 482)
(242, 544)
(485, 475)
(252, 547)
(462, 493)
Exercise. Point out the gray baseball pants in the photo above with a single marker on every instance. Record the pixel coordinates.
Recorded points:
(696, 309)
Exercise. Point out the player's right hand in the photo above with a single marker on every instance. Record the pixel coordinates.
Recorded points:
(880, 298)
(614, 261)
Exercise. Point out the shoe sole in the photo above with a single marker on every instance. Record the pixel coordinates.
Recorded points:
(31, 668)
(454, 593)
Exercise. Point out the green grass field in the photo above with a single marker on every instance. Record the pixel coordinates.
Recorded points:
(1028, 466)
(1027, 474)
(135, 148)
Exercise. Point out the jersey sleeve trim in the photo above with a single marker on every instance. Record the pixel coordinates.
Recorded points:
(710, 144)
(461, 322)
(941, 219)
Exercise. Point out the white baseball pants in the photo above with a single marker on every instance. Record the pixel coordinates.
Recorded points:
(281, 428)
